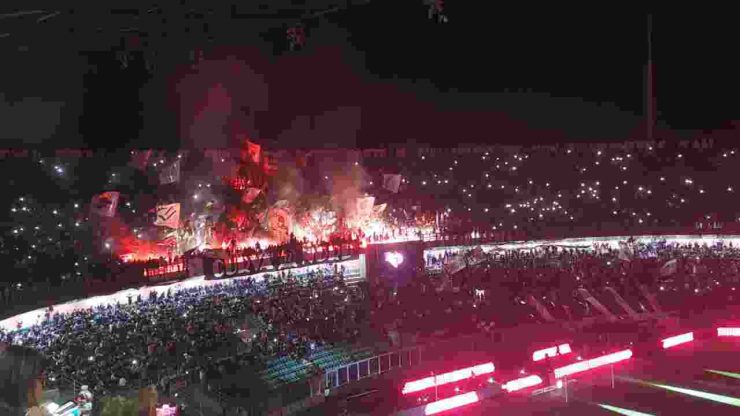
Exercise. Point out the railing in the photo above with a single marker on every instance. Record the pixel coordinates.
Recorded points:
(369, 367)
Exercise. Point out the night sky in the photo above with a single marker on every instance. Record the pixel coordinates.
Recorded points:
(370, 74)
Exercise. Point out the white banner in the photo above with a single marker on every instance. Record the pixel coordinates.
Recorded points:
(168, 215)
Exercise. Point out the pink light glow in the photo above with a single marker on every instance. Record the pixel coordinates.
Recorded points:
(394, 258)
(593, 363)
(678, 340)
(166, 410)
(450, 403)
(728, 332)
(446, 378)
(522, 383)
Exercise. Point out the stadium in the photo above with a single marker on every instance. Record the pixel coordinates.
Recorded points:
(413, 309)
(238, 272)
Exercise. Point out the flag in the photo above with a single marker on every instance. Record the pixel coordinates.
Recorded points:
(169, 239)
(250, 195)
(380, 209)
(365, 206)
(140, 158)
(105, 204)
(168, 215)
(278, 221)
(477, 255)
(170, 174)
(669, 268)
(251, 151)
(625, 251)
(392, 182)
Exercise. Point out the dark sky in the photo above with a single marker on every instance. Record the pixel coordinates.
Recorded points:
(371, 74)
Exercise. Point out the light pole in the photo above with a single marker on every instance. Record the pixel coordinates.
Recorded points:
(612, 367)
(436, 396)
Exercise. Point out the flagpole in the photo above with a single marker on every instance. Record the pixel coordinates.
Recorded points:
(650, 93)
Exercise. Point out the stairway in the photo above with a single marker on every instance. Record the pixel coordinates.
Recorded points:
(622, 303)
(544, 313)
(596, 304)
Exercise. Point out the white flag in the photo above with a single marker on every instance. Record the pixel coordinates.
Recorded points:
(379, 209)
(365, 205)
(168, 215)
(105, 204)
(392, 182)
(170, 174)
(669, 268)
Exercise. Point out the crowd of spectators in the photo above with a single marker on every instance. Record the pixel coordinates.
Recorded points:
(596, 187)
(678, 275)
(512, 190)
(148, 340)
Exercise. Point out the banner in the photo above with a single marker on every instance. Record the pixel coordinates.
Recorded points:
(170, 174)
(392, 182)
(105, 204)
(250, 195)
(168, 215)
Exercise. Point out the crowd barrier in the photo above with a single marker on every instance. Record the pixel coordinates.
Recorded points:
(373, 366)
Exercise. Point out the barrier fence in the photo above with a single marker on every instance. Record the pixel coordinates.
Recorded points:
(369, 367)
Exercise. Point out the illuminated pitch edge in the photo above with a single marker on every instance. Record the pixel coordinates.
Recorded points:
(446, 378)
(625, 412)
(728, 332)
(678, 340)
(724, 373)
(732, 401)
(522, 383)
(582, 366)
(451, 403)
